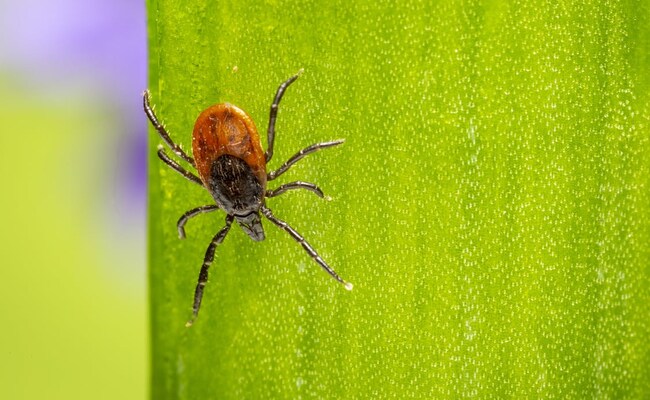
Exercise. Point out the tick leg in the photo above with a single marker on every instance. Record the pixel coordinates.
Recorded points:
(203, 275)
(299, 156)
(162, 131)
(174, 165)
(192, 213)
(274, 113)
(295, 185)
(310, 250)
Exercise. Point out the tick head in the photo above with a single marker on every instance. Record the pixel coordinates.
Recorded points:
(252, 224)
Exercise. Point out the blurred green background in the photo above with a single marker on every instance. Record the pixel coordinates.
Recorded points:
(72, 203)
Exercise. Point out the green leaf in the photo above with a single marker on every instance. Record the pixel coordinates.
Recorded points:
(491, 202)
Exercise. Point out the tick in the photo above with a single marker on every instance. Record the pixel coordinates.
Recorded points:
(232, 166)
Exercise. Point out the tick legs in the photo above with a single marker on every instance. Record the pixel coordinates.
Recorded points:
(174, 165)
(162, 131)
(295, 185)
(310, 250)
(203, 275)
(192, 213)
(299, 156)
(274, 113)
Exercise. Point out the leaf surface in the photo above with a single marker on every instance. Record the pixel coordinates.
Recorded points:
(490, 203)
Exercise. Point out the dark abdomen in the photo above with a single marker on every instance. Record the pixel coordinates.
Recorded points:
(234, 186)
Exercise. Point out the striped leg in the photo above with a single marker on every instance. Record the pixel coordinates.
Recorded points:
(296, 185)
(300, 155)
(203, 275)
(162, 131)
(176, 167)
(274, 114)
(192, 213)
(310, 250)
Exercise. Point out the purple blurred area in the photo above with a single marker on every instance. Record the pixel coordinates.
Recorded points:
(97, 49)
(55, 43)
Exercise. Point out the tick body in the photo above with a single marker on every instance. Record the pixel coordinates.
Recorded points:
(231, 164)
(232, 167)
